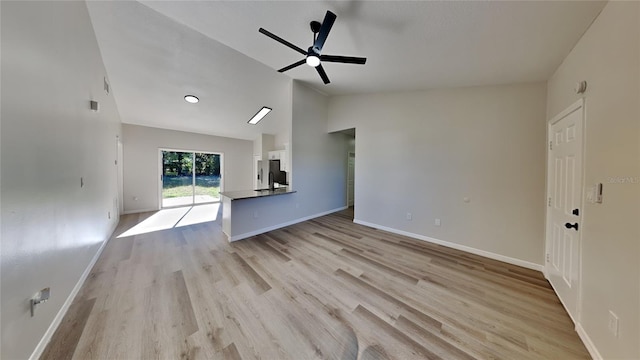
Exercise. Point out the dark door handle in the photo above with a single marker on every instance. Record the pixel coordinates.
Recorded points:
(576, 212)
(570, 225)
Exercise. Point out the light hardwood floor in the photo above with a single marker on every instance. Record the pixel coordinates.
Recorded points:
(325, 288)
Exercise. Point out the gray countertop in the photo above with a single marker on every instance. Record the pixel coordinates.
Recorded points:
(252, 194)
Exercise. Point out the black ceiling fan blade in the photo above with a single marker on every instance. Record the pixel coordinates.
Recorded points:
(282, 41)
(343, 59)
(322, 74)
(327, 24)
(295, 64)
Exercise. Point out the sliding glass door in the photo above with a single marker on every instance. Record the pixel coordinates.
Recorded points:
(189, 178)
(207, 178)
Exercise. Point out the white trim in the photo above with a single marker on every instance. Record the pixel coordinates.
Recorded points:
(487, 254)
(582, 333)
(566, 309)
(281, 225)
(573, 107)
(586, 340)
(129, 212)
(37, 352)
(576, 106)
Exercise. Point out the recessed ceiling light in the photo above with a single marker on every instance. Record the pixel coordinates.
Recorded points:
(191, 99)
(259, 115)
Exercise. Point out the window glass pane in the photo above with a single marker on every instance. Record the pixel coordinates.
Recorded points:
(177, 178)
(207, 169)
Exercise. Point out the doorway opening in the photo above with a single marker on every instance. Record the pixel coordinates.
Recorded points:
(351, 167)
(189, 177)
(119, 177)
(351, 171)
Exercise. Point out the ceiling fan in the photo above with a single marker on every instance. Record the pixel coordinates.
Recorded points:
(314, 55)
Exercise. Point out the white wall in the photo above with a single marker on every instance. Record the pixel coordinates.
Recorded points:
(51, 227)
(281, 139)
(424, 152)
(318, 171)
(141, 158)
(608, 58)
(318, 158)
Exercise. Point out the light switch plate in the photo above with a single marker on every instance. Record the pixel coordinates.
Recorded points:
(598, 194)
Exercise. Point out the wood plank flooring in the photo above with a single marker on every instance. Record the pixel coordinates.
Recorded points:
(322, 289)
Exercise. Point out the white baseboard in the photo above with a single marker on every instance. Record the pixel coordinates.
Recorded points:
(281, 225)
(586, 340)
(138, 211)
(65, 307)
(490, 255)
(564, 305)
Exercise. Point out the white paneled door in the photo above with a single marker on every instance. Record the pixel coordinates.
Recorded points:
(564, 210)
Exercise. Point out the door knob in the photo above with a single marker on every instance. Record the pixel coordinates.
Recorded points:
(570, 225)
(576, 212)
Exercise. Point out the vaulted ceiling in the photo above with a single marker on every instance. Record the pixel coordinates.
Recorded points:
(156, 52)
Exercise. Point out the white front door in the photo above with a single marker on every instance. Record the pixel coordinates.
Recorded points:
(564, 210)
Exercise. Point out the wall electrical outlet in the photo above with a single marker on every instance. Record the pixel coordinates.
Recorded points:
(409, 216)
(255, 214)
(437, 222)
(613, 323)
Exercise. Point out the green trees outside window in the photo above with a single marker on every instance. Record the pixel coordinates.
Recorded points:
(190, 177)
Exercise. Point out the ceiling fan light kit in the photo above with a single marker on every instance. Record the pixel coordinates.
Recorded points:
(313, 60)
(314, 57)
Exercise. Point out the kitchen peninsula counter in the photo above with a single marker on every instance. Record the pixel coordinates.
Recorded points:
(246, 213)
(251, 194)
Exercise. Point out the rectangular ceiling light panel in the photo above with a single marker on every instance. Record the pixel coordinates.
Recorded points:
(259, 115)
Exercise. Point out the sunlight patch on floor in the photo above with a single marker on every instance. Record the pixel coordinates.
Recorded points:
(188, 200)
(177, 217)
(200, 214)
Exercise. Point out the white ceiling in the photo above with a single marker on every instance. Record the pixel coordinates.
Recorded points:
(409, 45)
(153, 62)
